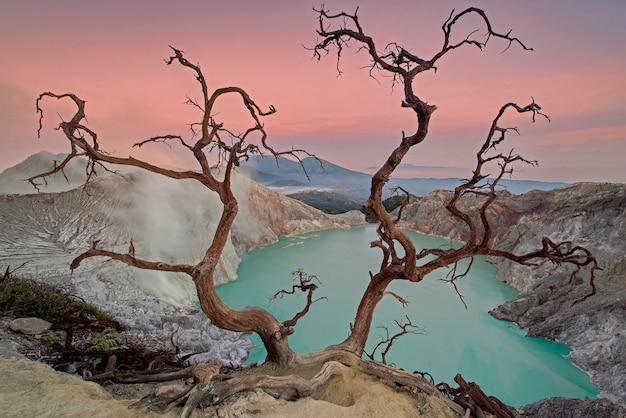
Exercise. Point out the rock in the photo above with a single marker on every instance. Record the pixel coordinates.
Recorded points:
(8, 349)
(572, 408)
(351, 218)
(33, 389)
(588, 214)
(30, 326)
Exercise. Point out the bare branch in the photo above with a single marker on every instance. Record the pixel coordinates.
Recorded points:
(8, 273)
(131, 260)
(403, 300)
(453, 19)
(406, 201)
(341, 30)
(470, 396)
(453, 276)
(387, 341)
(304, 285)
(561, 253)
(495, 137)
(162, 139)
(209, 135)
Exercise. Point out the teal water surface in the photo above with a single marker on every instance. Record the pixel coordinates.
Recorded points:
(495, 354)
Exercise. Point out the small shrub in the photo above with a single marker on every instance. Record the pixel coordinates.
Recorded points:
(109, 339)
(29, 298)
(54, 337)
(97, 362)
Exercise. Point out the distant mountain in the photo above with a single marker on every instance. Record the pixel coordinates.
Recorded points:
(283, 175)
(13, 180)
(328, 202)
(288, 177)
(422, 187)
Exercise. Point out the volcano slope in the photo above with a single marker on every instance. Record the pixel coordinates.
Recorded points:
(590, 214)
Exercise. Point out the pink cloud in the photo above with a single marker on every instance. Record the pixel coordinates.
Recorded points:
(113, 57)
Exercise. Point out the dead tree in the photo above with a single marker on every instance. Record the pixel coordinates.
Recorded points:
(212, 135)
(335, 31)
(342, 30)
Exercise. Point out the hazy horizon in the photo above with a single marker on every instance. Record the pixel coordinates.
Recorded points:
(404, 171)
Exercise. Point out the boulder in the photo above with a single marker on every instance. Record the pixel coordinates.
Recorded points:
(30, 326)
(572, 408)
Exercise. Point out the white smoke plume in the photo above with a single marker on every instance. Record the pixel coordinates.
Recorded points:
(173, 221)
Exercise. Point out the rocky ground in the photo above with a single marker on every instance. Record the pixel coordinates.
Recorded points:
(589, 214)
(33, 389)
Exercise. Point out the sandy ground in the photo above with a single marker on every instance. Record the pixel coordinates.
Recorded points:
(33, 389)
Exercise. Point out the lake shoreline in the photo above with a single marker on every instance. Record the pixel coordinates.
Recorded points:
(253, 282)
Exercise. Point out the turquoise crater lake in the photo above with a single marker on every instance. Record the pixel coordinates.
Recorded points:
(495, 354)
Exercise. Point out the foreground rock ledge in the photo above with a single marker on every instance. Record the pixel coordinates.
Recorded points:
(32, 389)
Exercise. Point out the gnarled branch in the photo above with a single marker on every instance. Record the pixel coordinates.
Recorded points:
(305, 285)
(341, 30)
(387, 341)
(232, 148)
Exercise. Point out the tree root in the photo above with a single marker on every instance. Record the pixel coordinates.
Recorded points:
(470, 396)
(213, 388)
(164, 397)
(147, 376)
(298, 386)
(208, 390)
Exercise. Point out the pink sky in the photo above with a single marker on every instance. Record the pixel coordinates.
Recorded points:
(111, 55)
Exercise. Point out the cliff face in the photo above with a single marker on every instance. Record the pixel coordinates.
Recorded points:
(588, 214)
(166, 219)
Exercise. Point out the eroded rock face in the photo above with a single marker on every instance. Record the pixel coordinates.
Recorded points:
(168, 220)
(573, 408)
(165, 219)
(589, 214)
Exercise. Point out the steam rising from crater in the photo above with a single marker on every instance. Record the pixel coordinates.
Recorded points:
(173, 221)
(168, 220)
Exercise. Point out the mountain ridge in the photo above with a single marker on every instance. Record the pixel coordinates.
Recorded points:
(282, 175)
(287, 176)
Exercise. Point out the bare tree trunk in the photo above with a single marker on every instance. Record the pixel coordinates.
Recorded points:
(250, 319)
(83, 141)
(343, 29)
(359, 331)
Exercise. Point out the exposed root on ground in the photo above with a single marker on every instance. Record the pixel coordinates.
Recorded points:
(306, 375)
(208, 384)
